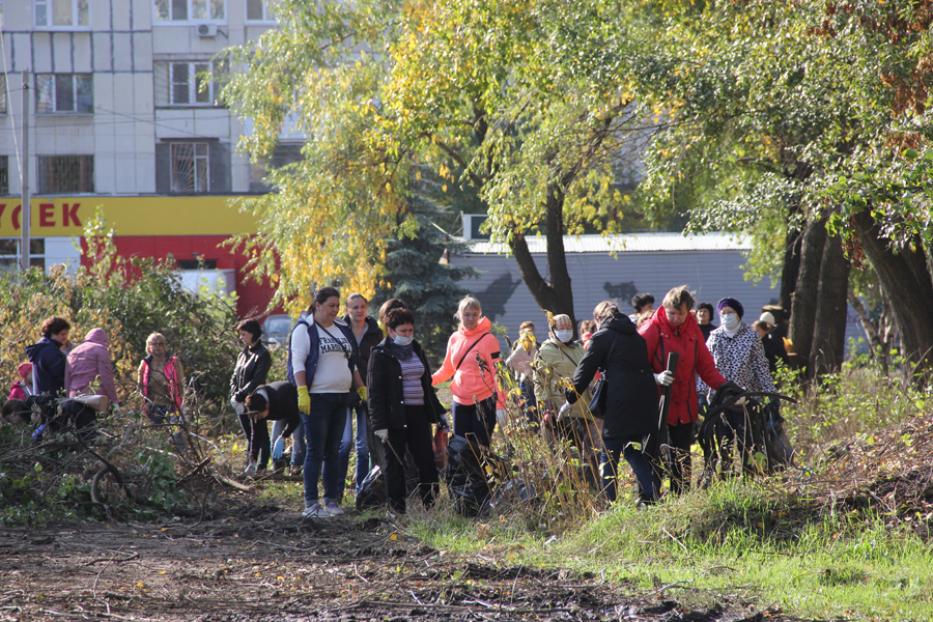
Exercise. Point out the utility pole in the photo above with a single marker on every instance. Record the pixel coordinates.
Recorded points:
(25, 213)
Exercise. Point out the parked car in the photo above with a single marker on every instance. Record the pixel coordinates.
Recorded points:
(275, 330)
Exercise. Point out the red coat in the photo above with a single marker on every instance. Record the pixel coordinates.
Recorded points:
(695, 358)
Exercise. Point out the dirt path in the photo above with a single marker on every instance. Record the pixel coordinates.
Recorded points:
(270, 565)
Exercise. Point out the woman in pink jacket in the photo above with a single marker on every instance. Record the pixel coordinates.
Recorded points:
(472, 355)
(88, 361)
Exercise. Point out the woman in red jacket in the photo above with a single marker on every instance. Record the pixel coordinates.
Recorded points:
(672, 328)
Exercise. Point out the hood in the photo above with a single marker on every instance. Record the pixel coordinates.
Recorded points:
(620, 324)
(689, 325)
(98, 336)
(483, 326)
(33, 350)
(24, 370)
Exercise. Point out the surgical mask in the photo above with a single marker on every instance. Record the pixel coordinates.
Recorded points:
(730, 320)
(564, 335)
(401, 340)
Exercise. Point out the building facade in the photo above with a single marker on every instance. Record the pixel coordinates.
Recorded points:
(125, 119)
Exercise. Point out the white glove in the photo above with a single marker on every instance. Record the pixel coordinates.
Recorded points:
(238, 408)
(382, 435)
(665, 378)
(564, 409)
(741, 401)
(501, 416)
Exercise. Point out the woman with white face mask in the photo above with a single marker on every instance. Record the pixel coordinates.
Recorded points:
(737, 350)
(402, 407)
(553, 367)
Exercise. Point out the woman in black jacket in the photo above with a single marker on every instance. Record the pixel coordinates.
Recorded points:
(252, 367)
(402, 407)
(630, 428)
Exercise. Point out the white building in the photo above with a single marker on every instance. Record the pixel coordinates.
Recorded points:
(122, 105)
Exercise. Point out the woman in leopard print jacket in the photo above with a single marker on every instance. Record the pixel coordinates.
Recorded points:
(738, 351)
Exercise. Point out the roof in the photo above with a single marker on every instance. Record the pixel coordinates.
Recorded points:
(623, 243)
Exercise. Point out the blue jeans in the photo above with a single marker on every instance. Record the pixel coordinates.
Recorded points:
(298, 441)
(644, 463)
(323, 429)
(362, 450)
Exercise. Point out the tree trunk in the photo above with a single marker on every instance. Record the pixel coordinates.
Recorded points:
(906, 281)
(829, 328)
(790, 269)
(804, 298)
(555, 294)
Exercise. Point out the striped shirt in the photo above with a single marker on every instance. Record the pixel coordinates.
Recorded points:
(412, 390)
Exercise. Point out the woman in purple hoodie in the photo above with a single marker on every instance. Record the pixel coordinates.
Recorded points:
(88, 361)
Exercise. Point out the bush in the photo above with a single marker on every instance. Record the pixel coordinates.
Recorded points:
(129, 298)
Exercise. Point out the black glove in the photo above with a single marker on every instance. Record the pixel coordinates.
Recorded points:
(240, 396)
(570, 395)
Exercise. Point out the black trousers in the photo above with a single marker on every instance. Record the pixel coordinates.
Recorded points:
(416, 438)
(681, 439)
(257, 438)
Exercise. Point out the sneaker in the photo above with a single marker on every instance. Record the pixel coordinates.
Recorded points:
(295, 470)
(332, 509)
(315, 510)
(250, 469)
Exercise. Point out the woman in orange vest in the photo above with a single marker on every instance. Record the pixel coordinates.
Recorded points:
(161, 380)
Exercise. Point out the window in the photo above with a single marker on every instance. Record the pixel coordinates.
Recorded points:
(2, 93)
(4, 175)
(190, 10)
(190, 165)
(259, 11)
(284, 153)
(61, 13)
(187, 83)
(66, 174)
(64, 92)
(9, 254)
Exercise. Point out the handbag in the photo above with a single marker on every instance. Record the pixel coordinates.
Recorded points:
(601, 390)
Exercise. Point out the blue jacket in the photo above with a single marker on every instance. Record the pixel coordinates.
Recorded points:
(314, 352)
(48, 366)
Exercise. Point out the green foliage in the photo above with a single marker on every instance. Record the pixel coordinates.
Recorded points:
(129, 298)
(522, 106)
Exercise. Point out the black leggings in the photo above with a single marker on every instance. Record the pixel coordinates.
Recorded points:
(476, 420)
(416, 438)
(681, 439)
(257, 438)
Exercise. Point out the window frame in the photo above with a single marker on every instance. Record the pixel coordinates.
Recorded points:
(54, 94)
(50, 25)
(194, 144)
(4, 175)
(158, 20)
(267, 17)
(193, 84)
(40, 179)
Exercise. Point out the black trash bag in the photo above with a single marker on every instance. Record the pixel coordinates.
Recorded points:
(466, 478)
(58, 415)
(513, 493)
(780, 451)
(373, 492)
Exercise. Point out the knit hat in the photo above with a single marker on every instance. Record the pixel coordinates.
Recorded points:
(731, 302)
(768, 318)
(24, 370)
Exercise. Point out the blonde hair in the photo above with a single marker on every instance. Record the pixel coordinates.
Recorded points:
(468, 302)
(554, 320)
(153, 337)
(605, 309)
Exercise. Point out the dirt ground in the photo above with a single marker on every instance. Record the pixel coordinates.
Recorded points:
(267, 564)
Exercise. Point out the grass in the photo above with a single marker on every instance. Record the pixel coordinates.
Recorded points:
(726, 540)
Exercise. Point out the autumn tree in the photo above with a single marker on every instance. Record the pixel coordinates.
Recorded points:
(524, 104)
(805, 125)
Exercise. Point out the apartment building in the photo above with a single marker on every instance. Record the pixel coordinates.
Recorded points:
(125, 120)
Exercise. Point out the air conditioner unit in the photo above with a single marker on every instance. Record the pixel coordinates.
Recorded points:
(206, 31)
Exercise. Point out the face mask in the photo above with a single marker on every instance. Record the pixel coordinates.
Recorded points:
(730, 320)
(401, 340)
(563, 335)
